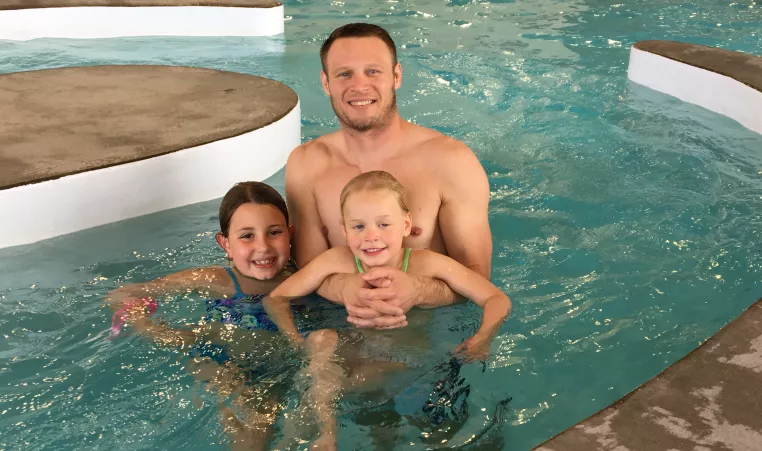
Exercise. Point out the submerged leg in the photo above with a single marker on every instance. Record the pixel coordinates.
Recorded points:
(255, 430)
(327, 381)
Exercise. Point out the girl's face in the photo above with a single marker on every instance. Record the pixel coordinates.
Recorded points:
(258, 241)
(374, 226)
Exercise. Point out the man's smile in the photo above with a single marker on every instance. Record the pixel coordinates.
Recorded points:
(363, 102)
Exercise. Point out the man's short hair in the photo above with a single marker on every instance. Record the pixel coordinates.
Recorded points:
(358, 30)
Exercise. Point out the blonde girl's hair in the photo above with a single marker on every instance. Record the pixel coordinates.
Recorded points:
(375, 181)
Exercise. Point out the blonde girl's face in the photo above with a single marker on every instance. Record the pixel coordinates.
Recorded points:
(258, 241)
(374, 227)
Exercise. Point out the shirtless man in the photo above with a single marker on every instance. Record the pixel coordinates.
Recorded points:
(448, 191)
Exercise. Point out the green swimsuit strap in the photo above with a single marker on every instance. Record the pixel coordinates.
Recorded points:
(359, 265)
(405, 259)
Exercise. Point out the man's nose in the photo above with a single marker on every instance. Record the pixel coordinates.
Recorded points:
(360, 82)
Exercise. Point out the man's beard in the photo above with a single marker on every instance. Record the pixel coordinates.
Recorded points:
(363, 125)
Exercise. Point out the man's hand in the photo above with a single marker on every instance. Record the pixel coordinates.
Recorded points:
(369, 308)
(392, 286)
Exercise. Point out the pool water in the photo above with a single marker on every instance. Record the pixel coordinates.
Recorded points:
(626, 225)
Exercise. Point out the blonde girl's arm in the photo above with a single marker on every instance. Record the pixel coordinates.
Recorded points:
(470, 284)
(305, 281)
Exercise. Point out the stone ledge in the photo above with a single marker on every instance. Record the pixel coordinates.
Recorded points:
(708, 400)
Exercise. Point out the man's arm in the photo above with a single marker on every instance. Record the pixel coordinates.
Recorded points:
(308, 240)
(463, 216)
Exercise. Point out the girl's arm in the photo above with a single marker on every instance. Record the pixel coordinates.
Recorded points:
(131, 301)
(305, 281)
(470, 284)
(204, 280)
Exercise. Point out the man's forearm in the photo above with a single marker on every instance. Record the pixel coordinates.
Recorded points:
(432, 293)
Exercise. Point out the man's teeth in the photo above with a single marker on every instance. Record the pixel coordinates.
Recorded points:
(361, 102)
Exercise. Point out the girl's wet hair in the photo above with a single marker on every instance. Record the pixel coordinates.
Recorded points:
(249, 192)
(372, 181)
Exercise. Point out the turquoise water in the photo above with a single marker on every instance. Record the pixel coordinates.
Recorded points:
(625, 223)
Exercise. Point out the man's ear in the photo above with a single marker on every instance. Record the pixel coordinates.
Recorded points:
(324, 83)
(397, 76)
(224, 243)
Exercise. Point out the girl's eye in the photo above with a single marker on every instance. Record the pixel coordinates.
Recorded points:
(384, 225)
(275, 232)
(358, 227)
(247, 236)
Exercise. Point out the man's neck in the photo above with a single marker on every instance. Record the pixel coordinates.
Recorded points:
(377, 142)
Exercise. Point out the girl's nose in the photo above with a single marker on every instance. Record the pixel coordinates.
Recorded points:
(261, 244)
(371, 234)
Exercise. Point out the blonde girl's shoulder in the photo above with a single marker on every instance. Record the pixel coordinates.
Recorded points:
(424, 262)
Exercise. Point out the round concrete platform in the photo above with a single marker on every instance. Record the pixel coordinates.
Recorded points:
(726, 82)
(709, 400)
(82, 19)
(85, 146)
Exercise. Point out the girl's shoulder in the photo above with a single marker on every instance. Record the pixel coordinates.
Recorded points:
(424, 262)
(213, 280)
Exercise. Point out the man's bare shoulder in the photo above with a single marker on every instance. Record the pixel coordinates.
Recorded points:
(314, 155)
(442, 150)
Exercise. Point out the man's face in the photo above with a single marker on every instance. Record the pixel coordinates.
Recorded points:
(361, 80)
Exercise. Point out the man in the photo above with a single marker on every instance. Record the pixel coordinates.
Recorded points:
(447, 187)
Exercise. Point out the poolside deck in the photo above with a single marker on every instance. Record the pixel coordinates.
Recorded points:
(723, 81)
(28, 4)
(67, 121)
(23, 20)
(739, 66)
(85, 146)
(709, 400)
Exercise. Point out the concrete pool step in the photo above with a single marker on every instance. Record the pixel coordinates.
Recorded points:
(83, 19)
(723, 81)
(709, 400)
(86, 146)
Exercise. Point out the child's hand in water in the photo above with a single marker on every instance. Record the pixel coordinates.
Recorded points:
(473, 349)
(133, 312)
